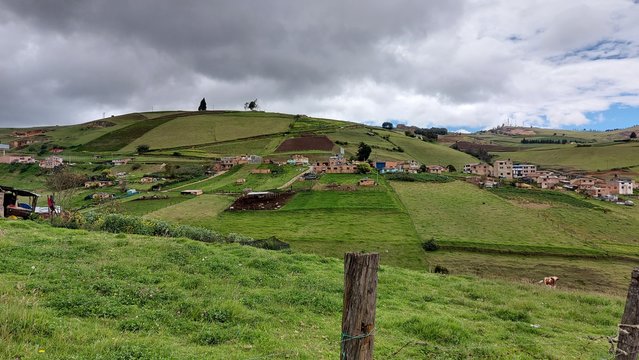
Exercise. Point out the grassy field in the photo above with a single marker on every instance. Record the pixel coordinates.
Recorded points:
(194, 209)
(595, 157)
(122, 137)
(262, 146)
(255, 182)
(75, 135)
(323, 222)
(22, 176)
(73, 294)
(210, 128)
(143, 207)
(461, 214)
(486, 233)
(432, 154)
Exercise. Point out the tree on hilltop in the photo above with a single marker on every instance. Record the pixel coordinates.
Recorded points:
(633, 135)
(251, 105)
(387, 125)
(202, 106)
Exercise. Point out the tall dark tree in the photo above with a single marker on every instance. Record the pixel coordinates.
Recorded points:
(251, 105)
(202, 106)
(633, 135)
(363, 152)
(387, 125)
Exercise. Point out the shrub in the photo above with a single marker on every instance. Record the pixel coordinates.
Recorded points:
(440, 270)
(143, 148)
(69, 220)
(116, 223)
(430, 245)
(136, 166)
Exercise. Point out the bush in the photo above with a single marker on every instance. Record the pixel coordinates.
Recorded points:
(136, 166)
(430, 245)
(143, 148)
(123, 224)
(440, 270)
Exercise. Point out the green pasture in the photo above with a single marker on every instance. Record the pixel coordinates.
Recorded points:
(22, 176)
(256, 182)
(139, 207)
(210, 128)
(432, 154)
(596, 157)
(262, 146)
(460, 214)
(192, 209)
(305, 123)
(78, 135)
(313, 200)
(75, 294)
(117, 139)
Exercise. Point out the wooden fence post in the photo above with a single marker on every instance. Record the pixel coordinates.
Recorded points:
(628, 341)
(358, 316)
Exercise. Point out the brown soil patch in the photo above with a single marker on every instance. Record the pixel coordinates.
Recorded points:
(519, 132)
(465, 145)
(335, 187)
(306, 143)
(271, 201)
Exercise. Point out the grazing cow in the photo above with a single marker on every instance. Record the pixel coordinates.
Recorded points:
(550, 281)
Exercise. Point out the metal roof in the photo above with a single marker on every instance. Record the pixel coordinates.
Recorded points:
(18, 192)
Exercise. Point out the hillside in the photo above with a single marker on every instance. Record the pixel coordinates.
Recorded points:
(78, 294)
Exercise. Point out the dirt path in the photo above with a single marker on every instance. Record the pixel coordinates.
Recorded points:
(294, 179)
(196, 182)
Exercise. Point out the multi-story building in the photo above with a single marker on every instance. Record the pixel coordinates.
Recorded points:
(523, 170)
(481, 169)
(583, 183)
(298, 160)
(503, 169)
(622, 186)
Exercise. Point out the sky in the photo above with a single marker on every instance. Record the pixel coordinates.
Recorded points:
(458, 64)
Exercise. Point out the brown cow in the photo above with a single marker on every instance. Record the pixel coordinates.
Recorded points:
(550, 281)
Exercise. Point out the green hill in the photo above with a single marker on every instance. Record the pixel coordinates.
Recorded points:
(479, 232)
(76, 294)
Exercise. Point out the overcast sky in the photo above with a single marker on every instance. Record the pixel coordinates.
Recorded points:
(459, 64)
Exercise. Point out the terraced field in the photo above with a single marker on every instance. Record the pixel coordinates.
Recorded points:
(210, 128)
(596, 157)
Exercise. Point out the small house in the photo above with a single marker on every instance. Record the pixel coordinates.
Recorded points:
(51, 162)
(118, 162)
(192, 192)
(148, 180)
(435, 169)
(240, 181)
(366, 182)
(261, 171)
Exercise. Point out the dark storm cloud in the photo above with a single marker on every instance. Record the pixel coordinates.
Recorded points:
(295, 43)
(81, 58)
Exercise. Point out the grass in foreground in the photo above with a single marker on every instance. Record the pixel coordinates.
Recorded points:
(72, 294)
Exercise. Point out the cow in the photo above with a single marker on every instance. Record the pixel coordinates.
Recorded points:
(550, 281)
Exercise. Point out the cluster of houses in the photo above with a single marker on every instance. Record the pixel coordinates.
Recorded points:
(411, 166)
(48, 163)
(227, 162)
(595, 187)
